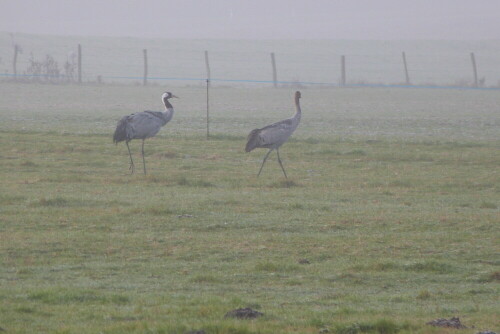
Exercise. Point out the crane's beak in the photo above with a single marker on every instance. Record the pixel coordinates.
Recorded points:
(175, 96)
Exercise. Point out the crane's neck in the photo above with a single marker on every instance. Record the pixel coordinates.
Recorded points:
(167, 104)
(298, 112)
(169, 111)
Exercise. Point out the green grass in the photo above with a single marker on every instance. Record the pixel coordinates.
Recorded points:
(396, 230)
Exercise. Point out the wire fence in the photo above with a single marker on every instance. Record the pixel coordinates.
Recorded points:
(421, 64)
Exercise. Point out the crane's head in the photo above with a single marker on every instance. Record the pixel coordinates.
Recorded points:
(297, 95)
(168, 95)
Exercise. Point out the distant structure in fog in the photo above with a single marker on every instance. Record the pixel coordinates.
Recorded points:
(143, 125)
(274, 135)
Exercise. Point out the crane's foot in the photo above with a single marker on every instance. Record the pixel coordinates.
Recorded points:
(131, 168)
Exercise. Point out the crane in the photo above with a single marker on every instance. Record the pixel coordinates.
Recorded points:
(274, 135)
(142, 125)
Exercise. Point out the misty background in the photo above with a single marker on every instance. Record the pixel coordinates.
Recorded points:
(308, 39)
(256, 19)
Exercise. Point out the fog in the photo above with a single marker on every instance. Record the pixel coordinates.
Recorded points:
(256, 19)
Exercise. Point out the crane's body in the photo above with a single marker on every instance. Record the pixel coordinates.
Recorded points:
(143, 125)
(274, 135)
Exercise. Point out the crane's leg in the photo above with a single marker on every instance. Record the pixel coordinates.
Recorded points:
(131, 167)
(143, 161)
(264, 161)
(279, 160)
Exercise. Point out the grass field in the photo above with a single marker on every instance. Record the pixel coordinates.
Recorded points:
(390, 217)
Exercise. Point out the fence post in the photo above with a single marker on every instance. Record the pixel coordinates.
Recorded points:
(79, 64)
(342, 64)
(406, 69)
(145, 80)
(208, 115)
(207, 64)
(14, 62)
(474, 68)
(275, 73)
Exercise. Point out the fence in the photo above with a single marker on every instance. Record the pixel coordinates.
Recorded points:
(278, 63)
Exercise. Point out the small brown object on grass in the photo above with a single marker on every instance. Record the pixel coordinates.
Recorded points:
(454, 322)
(243, 313)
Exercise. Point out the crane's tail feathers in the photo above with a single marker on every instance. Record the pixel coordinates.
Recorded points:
(252, 140)
(121, 131)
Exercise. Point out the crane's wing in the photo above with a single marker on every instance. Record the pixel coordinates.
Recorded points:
(272, 135)
(158, 114)
(121, 129)
(144, 125)
(279, 126)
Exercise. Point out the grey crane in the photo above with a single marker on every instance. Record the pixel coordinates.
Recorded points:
(142, 125)
(274, 135)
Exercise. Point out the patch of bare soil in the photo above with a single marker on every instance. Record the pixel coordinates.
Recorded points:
(449, 323)
(243, 313)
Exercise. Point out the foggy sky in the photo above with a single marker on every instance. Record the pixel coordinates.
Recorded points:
(256, 19)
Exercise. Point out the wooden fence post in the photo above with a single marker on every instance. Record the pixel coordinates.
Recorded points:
(474, 68)
(342, 64)
(79, 64)
(208, 114)
(275, 73)
(14, 62)
(207, 64)
(406, 69)
(145, 80)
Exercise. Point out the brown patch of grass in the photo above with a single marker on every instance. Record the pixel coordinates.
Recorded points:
(488, 205)
(491, 277)
(28, 164)
(213, 157)
(284, 184)
(167, 155)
